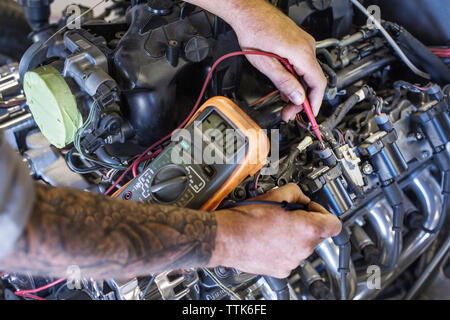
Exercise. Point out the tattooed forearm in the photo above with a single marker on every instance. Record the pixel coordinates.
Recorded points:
(109, 237)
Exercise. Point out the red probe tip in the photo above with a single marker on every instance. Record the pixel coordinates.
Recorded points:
(312, 120)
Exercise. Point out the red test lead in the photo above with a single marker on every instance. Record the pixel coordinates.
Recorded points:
(312, 120)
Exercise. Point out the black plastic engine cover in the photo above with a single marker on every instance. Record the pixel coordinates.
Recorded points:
(153, 54)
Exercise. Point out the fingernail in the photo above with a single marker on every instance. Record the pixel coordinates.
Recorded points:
(296, 97)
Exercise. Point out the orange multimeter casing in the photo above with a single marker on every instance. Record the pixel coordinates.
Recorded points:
(188, 182)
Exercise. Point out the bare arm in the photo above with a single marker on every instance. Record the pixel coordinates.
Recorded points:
(112, 238)
(107, 237)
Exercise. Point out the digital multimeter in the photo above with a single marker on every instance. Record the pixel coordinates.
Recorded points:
(216, 151)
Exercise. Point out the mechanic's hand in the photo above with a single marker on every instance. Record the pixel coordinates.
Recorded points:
(267, 240)
(268, 29)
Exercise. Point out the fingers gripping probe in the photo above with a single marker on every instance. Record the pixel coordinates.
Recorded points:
(307, 107)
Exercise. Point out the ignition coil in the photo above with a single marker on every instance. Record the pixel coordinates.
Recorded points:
(382, 151)
(325, 183)
(435, 123)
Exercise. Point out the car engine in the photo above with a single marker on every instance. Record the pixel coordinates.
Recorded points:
(85, 102)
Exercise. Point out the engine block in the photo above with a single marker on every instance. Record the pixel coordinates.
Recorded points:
(384, 168)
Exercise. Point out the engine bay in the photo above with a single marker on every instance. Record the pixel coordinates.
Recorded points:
(93, 108)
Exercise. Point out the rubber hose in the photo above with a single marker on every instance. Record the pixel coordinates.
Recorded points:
(328, 58)
(331, 75)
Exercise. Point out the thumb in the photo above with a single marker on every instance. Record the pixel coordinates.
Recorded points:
(290, 111)
(281, 78)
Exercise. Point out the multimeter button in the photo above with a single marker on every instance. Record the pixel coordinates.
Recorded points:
(169, 184)
(208, 170)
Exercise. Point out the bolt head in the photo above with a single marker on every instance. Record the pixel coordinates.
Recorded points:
(418, 136)
(367, 169)
(425, 154)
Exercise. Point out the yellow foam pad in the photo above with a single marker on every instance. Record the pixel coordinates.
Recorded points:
(52, 104)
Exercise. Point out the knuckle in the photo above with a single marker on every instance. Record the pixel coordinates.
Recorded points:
(323, 83)
(311, 41)
(272, 194)
(323, 79)
(293, 186)
(313, 231)
(292, 191)
(293, 264)
(310, 250)
(283, 274)
(337, 228)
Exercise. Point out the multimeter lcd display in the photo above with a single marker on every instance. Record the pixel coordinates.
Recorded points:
(224, 136)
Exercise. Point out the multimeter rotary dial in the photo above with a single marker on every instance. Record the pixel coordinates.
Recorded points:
(168, 184)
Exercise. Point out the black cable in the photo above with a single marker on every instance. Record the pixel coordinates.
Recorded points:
(147, 288)
(342, 240)
(397, 239)
(285, 205)
(294, 152)
(343, 282)
(328, 136)
(345, 107)
(58, 291)
(398, 94)
(445, 200)
(394, 195)
(73, 168)
(420, 55)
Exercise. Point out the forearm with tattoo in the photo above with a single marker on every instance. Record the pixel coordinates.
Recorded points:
(109, 238)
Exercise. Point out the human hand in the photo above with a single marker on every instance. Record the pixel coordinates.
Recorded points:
(264, 27)
(267, 240)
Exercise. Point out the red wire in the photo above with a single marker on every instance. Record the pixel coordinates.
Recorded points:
(31, 296)
(284, 61)
(16, 103)
(440, 49)
(136, 164)
(118, 180)
(340, 135)
(260, 100)
(442, 55)
(26, 293)
(255, 185)
(440, 52)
